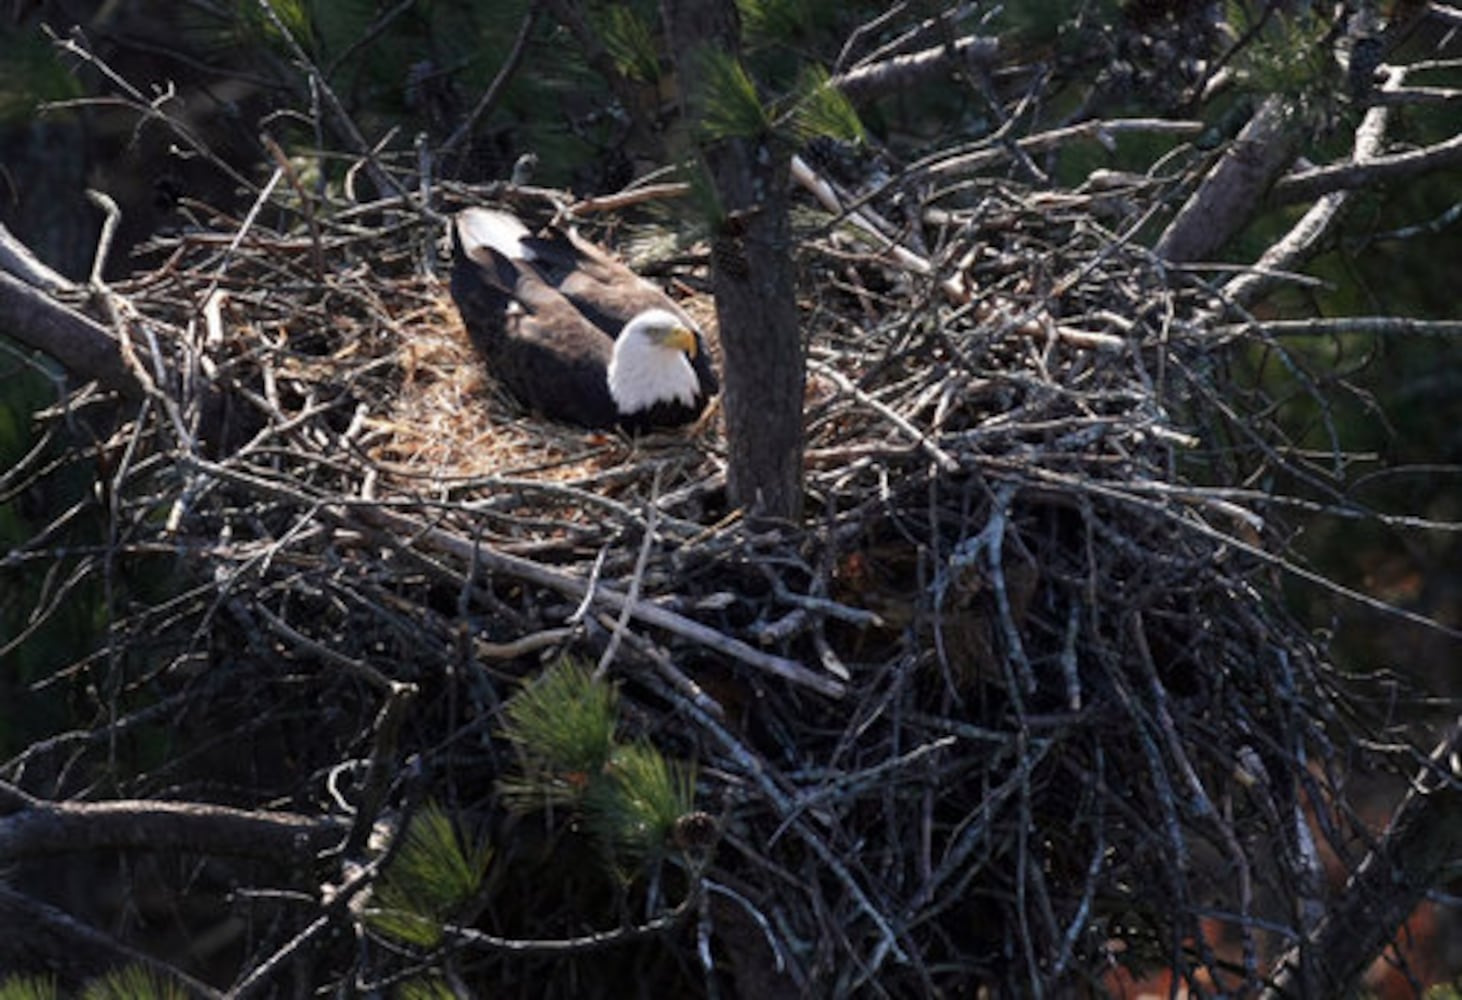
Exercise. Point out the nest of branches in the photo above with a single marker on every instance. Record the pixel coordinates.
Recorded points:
(1018, 706)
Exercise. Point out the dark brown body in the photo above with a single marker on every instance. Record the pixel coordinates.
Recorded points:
(545, 319)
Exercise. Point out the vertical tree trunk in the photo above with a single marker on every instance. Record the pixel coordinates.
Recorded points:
(752, 277)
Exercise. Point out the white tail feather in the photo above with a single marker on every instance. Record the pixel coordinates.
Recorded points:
(487, 227)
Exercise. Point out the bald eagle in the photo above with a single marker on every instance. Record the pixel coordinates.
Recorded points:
(573, 333)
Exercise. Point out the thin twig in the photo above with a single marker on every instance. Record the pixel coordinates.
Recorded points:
(494, 90)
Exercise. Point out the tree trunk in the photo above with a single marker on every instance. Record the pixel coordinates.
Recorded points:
(752, 277)
(1232, 192)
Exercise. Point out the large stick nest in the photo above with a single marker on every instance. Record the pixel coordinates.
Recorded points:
(1018, 704)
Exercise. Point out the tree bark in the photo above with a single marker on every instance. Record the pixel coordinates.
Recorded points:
(39, 936)
(1235, 188)
(43, 829)
(83, 346)
(866, 83)
(752, 278)
(1423, 841)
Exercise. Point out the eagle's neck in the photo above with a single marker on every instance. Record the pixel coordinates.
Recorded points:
(643, 373)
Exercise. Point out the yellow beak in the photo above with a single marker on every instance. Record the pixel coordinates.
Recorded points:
(681, 339)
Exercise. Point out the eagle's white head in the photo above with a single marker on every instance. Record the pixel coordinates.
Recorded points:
(651, 363)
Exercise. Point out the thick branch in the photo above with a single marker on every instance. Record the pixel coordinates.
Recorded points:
(1306, 184)
(17, 258)
(753, 279)
(1234, 189)
(1306, 236)
(1424, 840)
(44, 828)
(868, 83)
(81, 345)
(39, 936)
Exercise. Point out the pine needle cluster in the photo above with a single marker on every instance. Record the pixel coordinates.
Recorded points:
(131, 982)
(134, 982)
(434, 877)
(1289, 55)
(627, 795)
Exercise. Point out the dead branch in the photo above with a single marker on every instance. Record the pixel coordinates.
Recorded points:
(18, 259)
(1233, 189)
(1383, 326)
(871, 81)
(471, 938)
(1306, 235)
(84, 347)
(651, 614)
(1306, 184)
(43, 829)
(1422, 841)
(39, 936)
(989, 153)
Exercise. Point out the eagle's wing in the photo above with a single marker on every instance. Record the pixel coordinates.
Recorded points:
(533, 339)
(602, 288)
(607, 292)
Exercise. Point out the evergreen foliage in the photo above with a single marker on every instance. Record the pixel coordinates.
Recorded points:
(425, 989)
(630, 39)
(628, 795)
(822, 111)
(633, 806)
(435, 875)
(771, 21)
(294, 15)
(562, 726)
(28, 988)
(30, 75)
(732, 107)
(1289, 55)
(133, 982)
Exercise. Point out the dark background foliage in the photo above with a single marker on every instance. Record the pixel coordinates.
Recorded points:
(420, 67)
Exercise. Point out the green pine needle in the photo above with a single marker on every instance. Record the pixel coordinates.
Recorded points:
(404, 925)
(30, 74)
(435, 862)
(633, 806)
(293, 14)
(628, 796)
(28, 988)
(732, 107)
(133, 982)
(1288, 57)
(823, 111)
(338, 24)
(563, 723)
(425, 989)
(772, 20)
(432, 877)
(631, 43)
